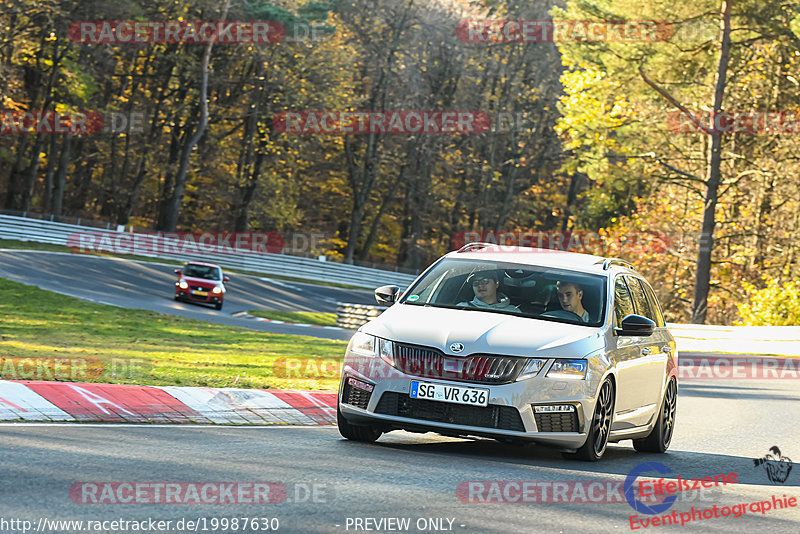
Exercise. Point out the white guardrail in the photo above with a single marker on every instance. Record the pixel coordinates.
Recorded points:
(354, 315)
(42, 231)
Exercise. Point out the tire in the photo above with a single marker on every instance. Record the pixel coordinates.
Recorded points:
(599, 426)
(218, 305)
(178, 298)
(661, 436)
(365, 434)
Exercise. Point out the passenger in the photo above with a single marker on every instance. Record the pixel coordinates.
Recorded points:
(570, 297)
(484, 286)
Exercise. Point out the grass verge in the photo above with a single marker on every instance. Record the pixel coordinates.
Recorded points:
(318, 318)
(47, 336)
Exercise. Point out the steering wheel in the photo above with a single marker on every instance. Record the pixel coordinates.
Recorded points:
(562, 314)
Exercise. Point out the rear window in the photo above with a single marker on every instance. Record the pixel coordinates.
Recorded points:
(639, 298)
(623, 305)
(654, 305)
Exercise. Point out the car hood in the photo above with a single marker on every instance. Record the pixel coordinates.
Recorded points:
(484, 332)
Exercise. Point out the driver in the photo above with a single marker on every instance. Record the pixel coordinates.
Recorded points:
(570, 295)
(484, 285)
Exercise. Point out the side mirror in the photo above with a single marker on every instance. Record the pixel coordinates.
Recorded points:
(226, 279)
(635, 325)
(387, 295)
(177, 271)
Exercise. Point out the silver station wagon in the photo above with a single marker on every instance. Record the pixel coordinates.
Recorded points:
(563, 349)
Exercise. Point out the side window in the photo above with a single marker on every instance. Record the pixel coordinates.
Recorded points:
(639, 298)
(623, 305)
(654, 305)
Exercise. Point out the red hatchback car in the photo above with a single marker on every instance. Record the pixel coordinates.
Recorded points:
(201, 282)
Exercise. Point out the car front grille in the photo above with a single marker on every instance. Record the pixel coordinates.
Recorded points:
(355, 396)
(492, 416)
(201, 288)
(556, 422)
(479, 368)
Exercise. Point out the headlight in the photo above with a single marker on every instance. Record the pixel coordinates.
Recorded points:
(366, 345)
(362, 344)
(385, 351)
(217, 290)
(575, 369)
(532, 368)
(183, 285)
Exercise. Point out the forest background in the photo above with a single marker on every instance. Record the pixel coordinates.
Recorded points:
(589, 136)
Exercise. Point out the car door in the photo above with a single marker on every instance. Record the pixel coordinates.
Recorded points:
(651, 365)
(664, 338)
(626, 354)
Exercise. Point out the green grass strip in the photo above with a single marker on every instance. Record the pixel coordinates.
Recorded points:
(48, 336)
(318, 318)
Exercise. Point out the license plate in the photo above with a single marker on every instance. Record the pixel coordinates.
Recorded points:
(200, 293)
(445, 393)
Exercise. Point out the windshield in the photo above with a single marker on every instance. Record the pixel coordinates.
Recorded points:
(526, 290)
(202, 271)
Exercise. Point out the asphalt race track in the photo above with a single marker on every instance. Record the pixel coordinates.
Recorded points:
(320, 483)
(151, 286)
(722, 426)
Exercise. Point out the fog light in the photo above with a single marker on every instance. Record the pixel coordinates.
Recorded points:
(554, 408)
(359, 384)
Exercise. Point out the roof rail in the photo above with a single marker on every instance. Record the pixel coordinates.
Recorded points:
(475, 246)
(608, 262)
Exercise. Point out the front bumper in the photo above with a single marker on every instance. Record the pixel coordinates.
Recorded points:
(509, 414)
(211, 298)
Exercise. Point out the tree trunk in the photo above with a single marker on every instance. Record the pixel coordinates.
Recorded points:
(362, 180)
(47, 196)
(248, 171)
(703, 281)
(177, 138)
(32, 172)
(61, 176)
(373, 231)
(33, 168)
(176, 200)
(713, 174)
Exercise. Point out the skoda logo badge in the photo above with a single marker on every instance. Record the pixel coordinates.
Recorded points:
(457, 347)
